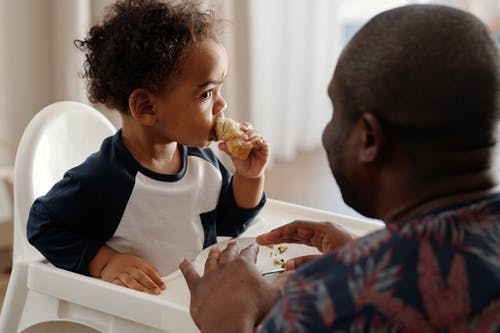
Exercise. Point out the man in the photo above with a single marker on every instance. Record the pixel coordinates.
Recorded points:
(416, 99)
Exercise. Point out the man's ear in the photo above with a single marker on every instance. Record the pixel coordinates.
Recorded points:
(140, 103)
(372, 137)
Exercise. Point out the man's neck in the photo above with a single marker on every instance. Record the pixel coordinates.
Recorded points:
(440, 193)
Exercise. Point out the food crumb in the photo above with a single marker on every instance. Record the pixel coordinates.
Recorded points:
(275, 252)
(279, 262)
(282, 248)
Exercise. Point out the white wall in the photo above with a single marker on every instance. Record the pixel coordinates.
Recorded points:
(39, 64)
(23, 80)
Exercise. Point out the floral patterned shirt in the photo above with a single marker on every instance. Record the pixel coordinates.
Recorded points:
(439, 272)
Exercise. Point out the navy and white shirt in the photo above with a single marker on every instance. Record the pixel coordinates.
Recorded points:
(112, 199)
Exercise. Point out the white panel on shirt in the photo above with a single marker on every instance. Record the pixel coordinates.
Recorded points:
(162, 219)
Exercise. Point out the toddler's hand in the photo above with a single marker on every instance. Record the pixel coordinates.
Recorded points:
(254, 166)
(128, 270)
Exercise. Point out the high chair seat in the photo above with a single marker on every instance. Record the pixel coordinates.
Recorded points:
(41, 297)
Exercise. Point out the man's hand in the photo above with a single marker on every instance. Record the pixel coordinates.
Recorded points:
(128, 270)
(324, 236)
(231, 296)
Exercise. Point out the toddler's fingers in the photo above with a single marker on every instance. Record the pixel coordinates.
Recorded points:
(152, 272)
(117, 282)
(257, 140)
(246, 126)
(152, 267)
(147, 282)
(261, 148)
(155, 276)
(222, 146)
(130, 282)
(250, 135)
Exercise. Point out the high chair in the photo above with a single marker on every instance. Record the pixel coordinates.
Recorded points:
(41, 297)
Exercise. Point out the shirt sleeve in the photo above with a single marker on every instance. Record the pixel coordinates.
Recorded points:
(317, 298)
(72, 221)
(231, 219)
(353, 289)
(305, 307)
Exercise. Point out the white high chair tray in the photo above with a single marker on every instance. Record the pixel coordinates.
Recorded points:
(268, 259)
(170, 310)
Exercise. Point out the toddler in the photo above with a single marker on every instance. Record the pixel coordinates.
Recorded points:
(154, 192)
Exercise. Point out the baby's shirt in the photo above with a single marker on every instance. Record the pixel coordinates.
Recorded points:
(112, 199)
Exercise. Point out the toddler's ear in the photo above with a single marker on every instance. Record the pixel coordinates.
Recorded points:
(141, 107)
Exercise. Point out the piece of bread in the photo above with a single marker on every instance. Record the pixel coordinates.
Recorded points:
(229, 131)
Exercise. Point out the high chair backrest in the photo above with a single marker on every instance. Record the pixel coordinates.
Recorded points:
(58, 138)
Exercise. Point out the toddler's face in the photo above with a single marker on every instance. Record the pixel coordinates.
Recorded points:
(187, 105)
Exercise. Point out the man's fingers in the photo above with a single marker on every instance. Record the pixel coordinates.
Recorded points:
(272, 237)
(325, 236)
(295, 263)
(294, 232)
(229, 253)
(250, 253)
(212, 258)
(190, 274)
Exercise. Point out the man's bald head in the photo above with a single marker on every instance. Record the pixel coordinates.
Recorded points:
(430, 73)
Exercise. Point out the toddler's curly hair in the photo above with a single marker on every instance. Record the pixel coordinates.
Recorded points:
(140, 44)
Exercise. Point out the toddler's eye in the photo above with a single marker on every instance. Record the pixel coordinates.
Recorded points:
(207, 94)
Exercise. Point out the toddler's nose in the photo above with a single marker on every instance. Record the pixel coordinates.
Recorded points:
(220, 106)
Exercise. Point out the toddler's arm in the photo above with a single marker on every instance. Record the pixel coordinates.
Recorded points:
(248, 181)
(126, 269)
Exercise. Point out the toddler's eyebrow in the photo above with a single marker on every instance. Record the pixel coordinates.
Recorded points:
(211, 82)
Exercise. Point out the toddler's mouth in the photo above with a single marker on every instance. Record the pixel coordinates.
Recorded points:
(212, 136)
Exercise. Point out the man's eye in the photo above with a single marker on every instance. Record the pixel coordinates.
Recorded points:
(207, 94)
